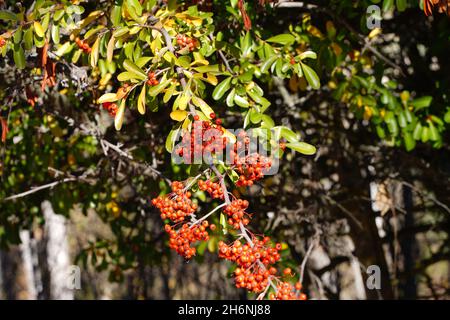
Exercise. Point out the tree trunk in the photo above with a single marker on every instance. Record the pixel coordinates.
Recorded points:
(30, 265)
(57, 253)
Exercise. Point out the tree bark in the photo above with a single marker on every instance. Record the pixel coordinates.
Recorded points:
(57, 253)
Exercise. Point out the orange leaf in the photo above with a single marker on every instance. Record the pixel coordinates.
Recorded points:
(4, 129)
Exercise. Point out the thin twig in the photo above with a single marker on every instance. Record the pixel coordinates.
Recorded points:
(222, 182)
(36, 189)
(305, 259)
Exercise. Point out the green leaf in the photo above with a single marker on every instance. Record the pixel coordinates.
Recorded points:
(131, 67)
(223, 223)
(28, 39)
(221, 88)
(302, 147)
(142, 61)
(401, 5)
(417, 133)
(8, 15)
(116, 15)
(422, 102)
(126, 76)
(136, 5)
(267, 122)
(19, 57)
(282, 38)
(55, 34)
(268, 63)
(230, 98)
(155, 90)
(392, 125)
(169, 93)
(434, 133)
(241, 101)
(308, 54)
(311, 76)
(58, 15)
(425, 134)
(63, 49)
(288, 134)
(18, 36)
(447, 117)
(255, 116)
(120, 32)
(402, 119)
(170, 140)
(246, 44)
(255, 96)
(205, 69)
(388, 5)
(410, 143)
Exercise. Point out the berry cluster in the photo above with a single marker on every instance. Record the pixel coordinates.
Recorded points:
(182, 239)
(246, 255)
(252, 168)
(178, 207)
(184, 41)
(205, 139)
(2, 41)
(286, 291)
(213, 188)
(152, 81)
(253, 280)
(83, 45)
(111, 108)
(253, 271)
(236, 212)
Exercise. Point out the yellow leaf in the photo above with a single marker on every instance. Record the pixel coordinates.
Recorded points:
(118, 120)
(141, 101)
(135, 30)
(183, 102)
(375, 32)
(110, 49)
(122, 92)
(38, 29)
(186, 124)
(315, 32)
(206, 109)
(107, 97)
(91, 17)
(230, 136)
(104, 81)
(94, 53)
(178, 115)
(190, 19)
(212, 79)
